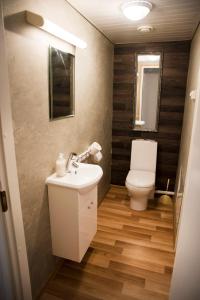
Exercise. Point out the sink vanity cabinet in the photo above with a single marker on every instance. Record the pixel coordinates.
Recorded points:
(73, 212)
(73, 219)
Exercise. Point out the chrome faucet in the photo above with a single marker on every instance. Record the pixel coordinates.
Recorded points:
(71, 157)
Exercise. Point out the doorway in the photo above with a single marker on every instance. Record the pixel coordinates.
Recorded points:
(14, 271)
(7, 286)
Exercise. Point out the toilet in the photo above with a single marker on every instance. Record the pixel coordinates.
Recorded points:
(140, 180)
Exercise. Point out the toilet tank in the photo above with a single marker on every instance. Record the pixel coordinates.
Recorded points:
(143, 155)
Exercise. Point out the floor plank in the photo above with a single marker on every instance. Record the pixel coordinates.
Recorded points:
(130, 258)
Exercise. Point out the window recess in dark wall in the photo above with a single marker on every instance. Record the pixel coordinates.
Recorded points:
(172, 98)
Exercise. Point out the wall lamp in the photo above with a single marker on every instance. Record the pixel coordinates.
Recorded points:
(46, 25)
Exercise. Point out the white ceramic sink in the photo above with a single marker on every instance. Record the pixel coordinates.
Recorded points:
(82, 179)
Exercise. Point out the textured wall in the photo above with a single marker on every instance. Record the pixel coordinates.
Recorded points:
(173, 84)
(38, 141)
(186, 272)
(192, 84)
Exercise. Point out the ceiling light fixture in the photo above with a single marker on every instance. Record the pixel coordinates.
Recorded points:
(145, 28)
(46, 25)
(136, 10)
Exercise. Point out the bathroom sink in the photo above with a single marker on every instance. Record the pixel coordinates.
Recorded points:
(82, 179)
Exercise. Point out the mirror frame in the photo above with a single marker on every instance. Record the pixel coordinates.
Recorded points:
(159, 88)
(50, 86)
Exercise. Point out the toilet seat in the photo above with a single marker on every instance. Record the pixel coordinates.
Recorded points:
(140, 179)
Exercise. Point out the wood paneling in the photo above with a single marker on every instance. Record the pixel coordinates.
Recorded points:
(130, 258)
(173, 86)
(172, 20)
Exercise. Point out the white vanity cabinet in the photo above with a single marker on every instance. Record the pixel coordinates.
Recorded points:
(73, 210)
(73, 219)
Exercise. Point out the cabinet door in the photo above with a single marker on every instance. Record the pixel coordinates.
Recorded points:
(87, 222)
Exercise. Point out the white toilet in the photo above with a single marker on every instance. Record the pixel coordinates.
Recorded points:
(140, 180)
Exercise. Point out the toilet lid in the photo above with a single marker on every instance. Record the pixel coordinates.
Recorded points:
(140, 178)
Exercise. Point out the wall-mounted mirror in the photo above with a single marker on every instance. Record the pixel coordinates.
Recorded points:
(61, 84)
(147, 91)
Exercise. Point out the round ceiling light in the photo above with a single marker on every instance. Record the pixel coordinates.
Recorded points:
(136, 10)
(145, 28)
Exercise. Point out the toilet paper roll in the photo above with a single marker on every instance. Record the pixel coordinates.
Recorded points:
(98, 157)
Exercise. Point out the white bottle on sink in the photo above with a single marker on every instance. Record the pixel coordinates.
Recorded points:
(60, 165)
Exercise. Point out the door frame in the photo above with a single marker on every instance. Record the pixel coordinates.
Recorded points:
(13, 217)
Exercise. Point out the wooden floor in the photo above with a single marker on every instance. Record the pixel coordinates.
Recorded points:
(131, 256)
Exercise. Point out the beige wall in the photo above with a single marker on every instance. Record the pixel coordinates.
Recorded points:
(186, 272)
(193, 75)
(39, 141)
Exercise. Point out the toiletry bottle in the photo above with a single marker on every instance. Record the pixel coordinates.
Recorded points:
(60, 165)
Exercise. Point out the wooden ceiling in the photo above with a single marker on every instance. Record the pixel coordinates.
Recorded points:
(173, 20)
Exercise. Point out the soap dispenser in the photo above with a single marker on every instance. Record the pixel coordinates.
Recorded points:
(60, 165)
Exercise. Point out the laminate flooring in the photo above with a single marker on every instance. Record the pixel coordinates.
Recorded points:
(130, 258)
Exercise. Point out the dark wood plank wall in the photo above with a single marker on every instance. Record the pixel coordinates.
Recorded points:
(173, 86)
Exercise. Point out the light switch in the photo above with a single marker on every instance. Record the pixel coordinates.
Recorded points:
(193, 95)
